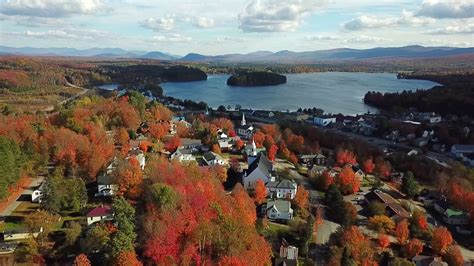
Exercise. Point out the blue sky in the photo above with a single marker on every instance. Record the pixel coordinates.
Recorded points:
(235, 26)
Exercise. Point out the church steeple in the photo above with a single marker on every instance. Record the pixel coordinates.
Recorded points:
(254, 148)
(243, 122)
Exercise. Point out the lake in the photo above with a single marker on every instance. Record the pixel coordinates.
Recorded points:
(334, 92)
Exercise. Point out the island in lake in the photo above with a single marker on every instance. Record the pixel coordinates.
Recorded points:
(256, 79)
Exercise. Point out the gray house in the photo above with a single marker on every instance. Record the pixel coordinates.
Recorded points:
(278, 210)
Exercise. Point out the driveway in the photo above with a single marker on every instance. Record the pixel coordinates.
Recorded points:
(24, 196)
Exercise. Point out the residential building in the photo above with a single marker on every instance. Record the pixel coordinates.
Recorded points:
(212, 158)
(288, 255)
(283, 189)
(278, 210)
(392, 207)
(17, 234)
(37, 194)
(423, 260)
(139, 155)
(106, 186)
(183, 155)
(324, 121)
(464, 152)
(450, 215)
(193, 144)
(287, 251)
(245, 131)
(225, 144)
(7, 253)
(296, 116)
(316, 170)
(260, 168)
(311, 159)
(98, 214)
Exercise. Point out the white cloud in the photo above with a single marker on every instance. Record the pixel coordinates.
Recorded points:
(171, 38)
(50, 8)
(322, 38)
(346, 39)
(460, 28)
(447, 9)
(275, 15)
(161, 24)
(365, 39)
(202, 22)
(374, 22)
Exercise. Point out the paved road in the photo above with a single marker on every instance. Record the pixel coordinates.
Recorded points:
(382, 143)
(27, 191)
(84, 91)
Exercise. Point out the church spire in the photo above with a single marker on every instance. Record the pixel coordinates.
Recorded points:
(243, 122)
(254, 147)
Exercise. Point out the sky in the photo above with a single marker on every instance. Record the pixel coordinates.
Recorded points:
(214, 27)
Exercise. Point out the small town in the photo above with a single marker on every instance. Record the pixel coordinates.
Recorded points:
(342, 178)
(237, 133)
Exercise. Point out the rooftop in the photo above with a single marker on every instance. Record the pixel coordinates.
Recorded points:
(262, 163)
(100, 211)
(284, 183)
(279, 205)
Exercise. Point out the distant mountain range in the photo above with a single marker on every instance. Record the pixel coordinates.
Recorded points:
(342, 54)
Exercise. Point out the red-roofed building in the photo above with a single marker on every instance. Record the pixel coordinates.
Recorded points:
(102, 213)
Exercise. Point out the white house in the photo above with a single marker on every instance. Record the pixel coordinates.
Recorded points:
(283, 189)
(245, 131)
(102, 213)
(183, 155)
(37, 194)
(106, 186)
(225, 144)
(260, 168)
(323, 121)
(278, 210)
(212, 158)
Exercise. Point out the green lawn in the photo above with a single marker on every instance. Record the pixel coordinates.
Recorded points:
(15, 219)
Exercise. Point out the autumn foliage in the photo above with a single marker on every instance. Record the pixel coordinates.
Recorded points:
(359, 246)
(345, 157)
(454, 256)
(207, 226)
(302, 197)
(402, 232)
(383, 241)
(81, 260)
(368, 166)
(441, 240)
(173, 143)
(127, 258)
(272, 151)
(413, 248)
(260, 192)
(347, 181)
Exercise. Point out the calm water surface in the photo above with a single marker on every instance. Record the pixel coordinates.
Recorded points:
(334, 92)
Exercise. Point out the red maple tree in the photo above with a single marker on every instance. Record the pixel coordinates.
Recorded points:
(441, 240)
(260, 192)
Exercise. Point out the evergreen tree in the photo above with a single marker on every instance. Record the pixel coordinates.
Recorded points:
(11, 161)
(410, 186)
(123, 239)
